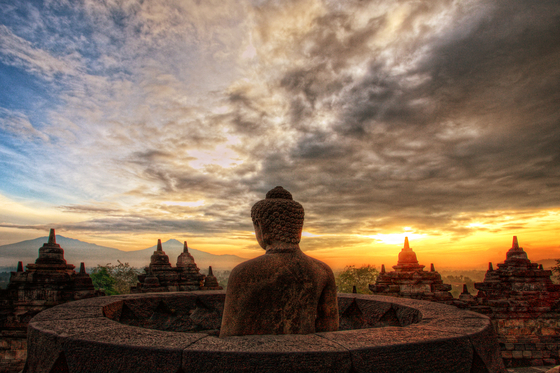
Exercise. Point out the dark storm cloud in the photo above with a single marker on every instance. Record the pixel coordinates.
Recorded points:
(468, 123)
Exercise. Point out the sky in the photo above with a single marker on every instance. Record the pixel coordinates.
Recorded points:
(125, 121)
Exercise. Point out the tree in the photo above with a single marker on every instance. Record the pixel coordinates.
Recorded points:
(102, 280)
(115, 279)
(457, 282)
(359, 277)
(222, 277)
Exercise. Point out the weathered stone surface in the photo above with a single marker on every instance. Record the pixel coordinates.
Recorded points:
(266, 353)
(440, 339)
(67, 313)
(283, 291)
(126, 350)
(522, 302)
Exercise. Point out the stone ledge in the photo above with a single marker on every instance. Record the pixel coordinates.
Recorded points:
(84, 336)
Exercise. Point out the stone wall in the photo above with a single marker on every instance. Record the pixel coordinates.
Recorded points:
(525, 342)
(13, 350)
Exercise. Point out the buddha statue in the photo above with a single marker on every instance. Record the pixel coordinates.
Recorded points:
(283, 291)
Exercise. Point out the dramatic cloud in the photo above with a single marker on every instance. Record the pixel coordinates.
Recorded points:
(176, 116)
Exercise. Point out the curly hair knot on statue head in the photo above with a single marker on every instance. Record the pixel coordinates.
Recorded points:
(281, 217)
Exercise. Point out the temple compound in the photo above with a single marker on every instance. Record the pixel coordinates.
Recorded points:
(46, 283)
(409, 280)
(523, 304)
(279, 314)
(160, 276)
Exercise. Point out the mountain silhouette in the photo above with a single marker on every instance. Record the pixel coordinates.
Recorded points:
(76, 251)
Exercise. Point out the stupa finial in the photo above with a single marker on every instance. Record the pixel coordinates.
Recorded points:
(185, 247)
(82, 268)
(516, 252)
(515, 244)
(159, 248)
(432, 268)
(20, 266)
(490, 267)
(382, 268)
(406, 246)
(52, 237)
(465, 290)
(210, 271)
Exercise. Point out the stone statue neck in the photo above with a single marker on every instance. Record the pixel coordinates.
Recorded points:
(279, 247)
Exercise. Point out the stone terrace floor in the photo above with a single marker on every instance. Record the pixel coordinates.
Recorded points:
(530, 369)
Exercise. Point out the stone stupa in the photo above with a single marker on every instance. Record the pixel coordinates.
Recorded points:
(211, 282)
(524, 306)
(190, 277)
(409, 280)
(46, 283)
(160, 275)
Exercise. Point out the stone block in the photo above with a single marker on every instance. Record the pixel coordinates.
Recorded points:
(549, 331)
(549, 361)
(540, 346)
(537, 362)
(125, 350)
(507, 355)
(513, 323)
(530, 347)
(537, 354)
(527, 354)
(524, 331)
(266, 353)
(517, 354)
(519, 347)
(21, 354)
(509, 346)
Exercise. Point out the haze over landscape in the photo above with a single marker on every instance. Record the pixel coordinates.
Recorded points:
(122, 122)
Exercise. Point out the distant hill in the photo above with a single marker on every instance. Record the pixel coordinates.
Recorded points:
(547, 263)
(76, 251)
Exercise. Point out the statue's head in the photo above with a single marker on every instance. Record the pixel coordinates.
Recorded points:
(278, 217)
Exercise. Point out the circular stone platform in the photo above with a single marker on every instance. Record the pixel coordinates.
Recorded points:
(177, 332)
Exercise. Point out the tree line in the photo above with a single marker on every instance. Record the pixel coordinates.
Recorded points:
(117, 279)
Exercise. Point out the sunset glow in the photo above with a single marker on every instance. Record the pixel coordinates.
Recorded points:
(124, 122)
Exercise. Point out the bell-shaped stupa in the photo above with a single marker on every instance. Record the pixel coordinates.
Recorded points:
(190, 277)
(523, 304)
(46, 283)
(160, 275)
(407, 260)
(409, 280)
(211, 282)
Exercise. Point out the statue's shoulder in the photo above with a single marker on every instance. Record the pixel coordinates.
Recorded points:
(251, 267)
(322, 265)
